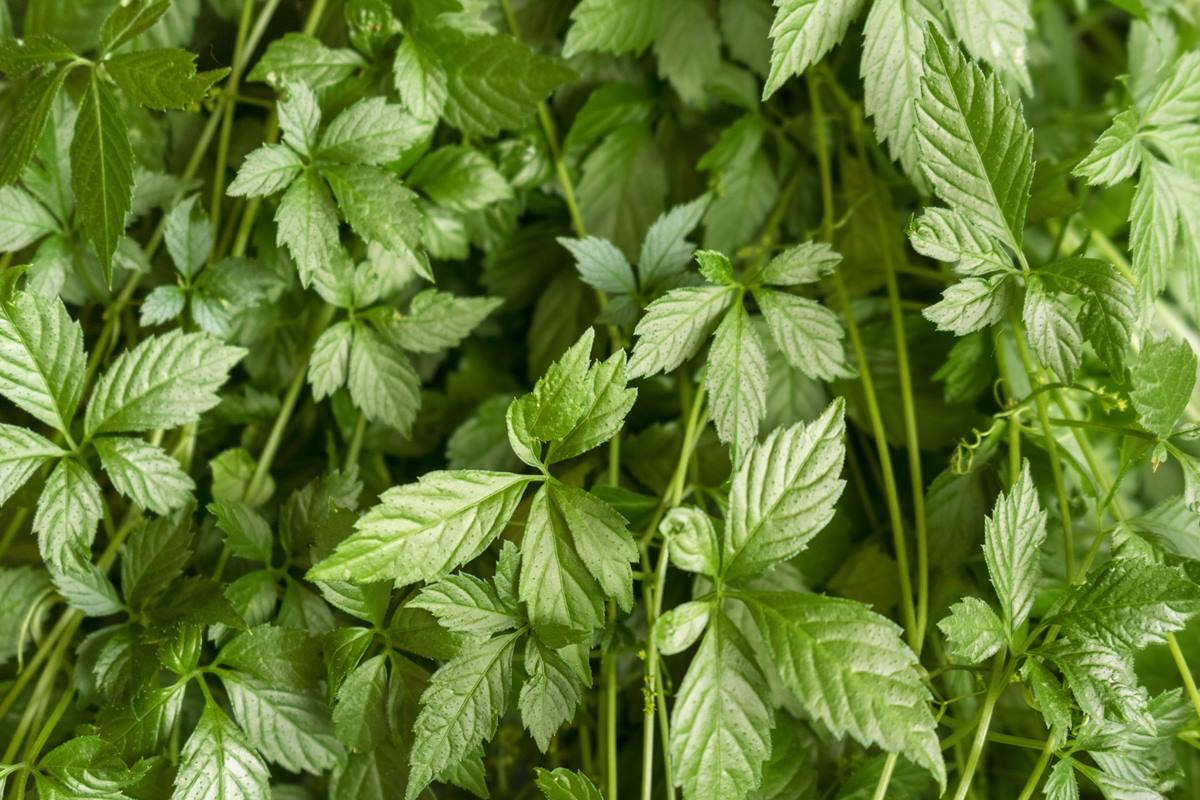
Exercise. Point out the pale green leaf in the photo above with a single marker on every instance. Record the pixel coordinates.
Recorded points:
(674, 327)
(693, 541)
(382, 381)
(1163, 376)
(266, 170)
(601, 265)
(217, 763)
(802, 33)
(188, 235)
(798, 265)
(466, 604)
(437, 320)
(1102, 680)
(420, 80)
(1116, 155)
(425, 529)
(997, 32)
(372, 131)
(972, 304)
(1109, 313)
(848, 667)
(299, 117)
(666, 250)
(101, 170)
(85, 588)
(1177, 98)
(20, 588)
(303, 58)
(246, 532)
(164, 382)
(550, 694)
(459, 178)
(948, 236)
(562, 395)
(564, 784)
(601, 538)
(291, 728)
(975, 146)
(20, 55)
(359, 716)
(306, 221)
(783, 493)
(67, 513)
(1012, 537)
(735, 376)
(41, 358)
(612, 26)
(973, 631)
(23, 220)
(603, 416)
(678, 629)
(1053, 331)
(21, 453)
(807, 333)
(330, 360)
(722, 717)
(460, 709)
(145, 474)
(128, 20)
(377, 205)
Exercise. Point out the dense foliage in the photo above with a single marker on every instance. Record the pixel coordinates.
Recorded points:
(663, 398)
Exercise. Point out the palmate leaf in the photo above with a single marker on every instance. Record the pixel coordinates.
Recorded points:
(848, 667)
(217, 763)
(783, 493)
(975, 146)
(722, 717)
(425, 529)
(41, 358)
(460, 709)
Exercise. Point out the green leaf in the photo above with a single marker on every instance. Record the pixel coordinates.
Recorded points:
(460, 709)
(298, 57)
(893, 63)
(154, 556)
(715, 267)
(612, 26)
(602, 417)
(601, 538)
(101, 170)
(722, 717)
(1176, 100)
(995, 31)
(85, 588)
(674, 327)
(23, 125)
(459, 178)
(971, 305)
(1163, 376)
(425, 529)
(563, 599)
(1109, 315)
(246, 532)
(329, 363)
(949, 236)
(1052, 699)
(437, 321)
(783, 492)
(565, 784)
(1061, 783)
(1012, 537)
(466, 604)
(601, 265)
(164, 382)
(18, 56)
(20, 589)
(493, 83)
(41, 358)
(561, 396)
(359, 715)
(688, 51)
(623, 186)
(798, 265)
(67, 514)
(736, 379)
(382, 381)
(128, 20)
(1116, 154)
(694, 544)
(299, 117)
(292, 729)
(282, 657)
(848, 667)
(420, 80)
(1128, 605)
(1053, 331)
(217, 763)
(188, 236)
(975, 146)
(23, 220)
(679, 628)
(550, 695)
(145, 474)
(1102, 680)
(666, 250)
(378, 207)
(973, 631)
(808, 334)
(306, 221)
(266, 170)
(802, 33)
(372, 131)
(161, 78)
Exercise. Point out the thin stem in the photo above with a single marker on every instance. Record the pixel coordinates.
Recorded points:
(356, 441)
(1185, 672)
(1035, 777)
(907, 608)
(995, 689)
(609, 671)
(885, 777)
(652, 689)
(229, 105)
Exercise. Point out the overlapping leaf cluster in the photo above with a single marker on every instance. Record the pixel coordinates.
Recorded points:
(716, 399)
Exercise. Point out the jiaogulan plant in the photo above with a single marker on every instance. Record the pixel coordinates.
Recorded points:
(598, 399)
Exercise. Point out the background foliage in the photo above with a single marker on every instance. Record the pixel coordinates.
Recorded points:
(702, 398)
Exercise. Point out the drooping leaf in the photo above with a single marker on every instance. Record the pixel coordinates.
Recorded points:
(101, 170)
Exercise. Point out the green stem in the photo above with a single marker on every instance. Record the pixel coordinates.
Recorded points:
(907, 608)
(356, 441)
(609, 672)
(885, 777)
(995, 689)
(652, 689)
(229, 105)
(1035, 777)
(1185, 672)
